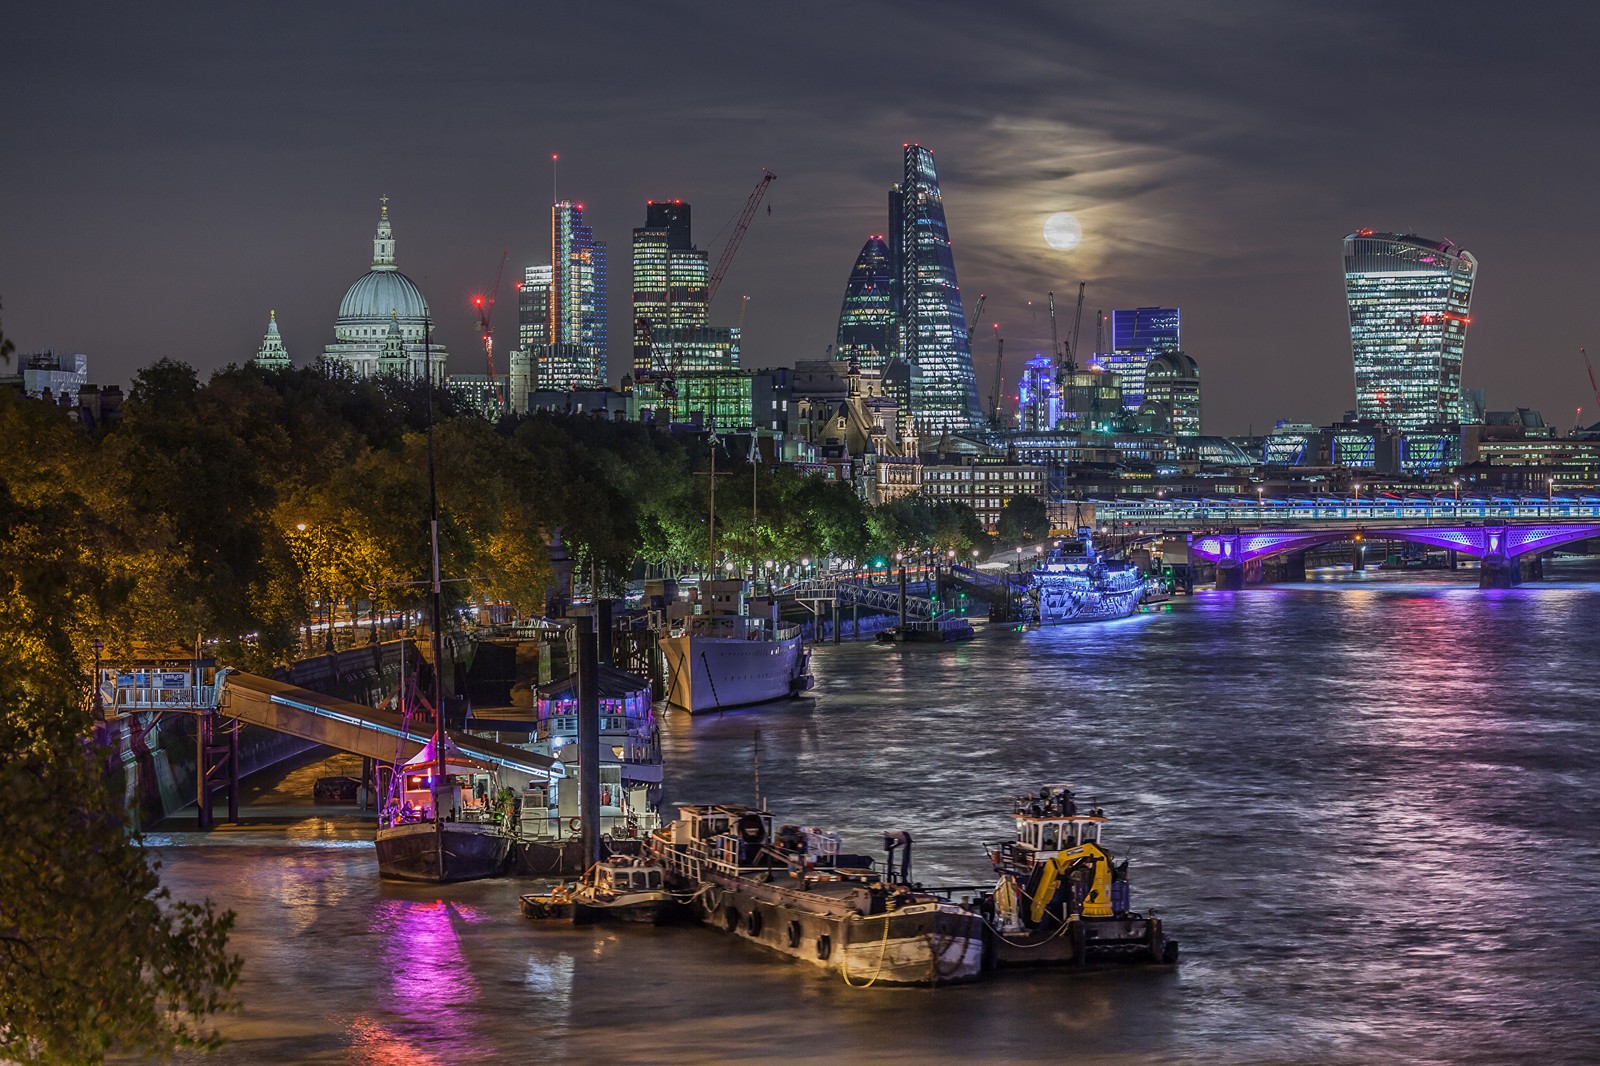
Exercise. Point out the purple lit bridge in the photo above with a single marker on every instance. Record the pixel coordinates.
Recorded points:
(1506, 551)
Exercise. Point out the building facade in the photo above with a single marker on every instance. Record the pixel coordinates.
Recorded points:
(577, 319)
(380, 298)
(1138, 336)
(931, 327)
(1410, 300)
(1038, 396)
(1172, 382)
(983, 485)
(866, 319)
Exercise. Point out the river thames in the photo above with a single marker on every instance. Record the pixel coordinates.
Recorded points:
(1368, 807)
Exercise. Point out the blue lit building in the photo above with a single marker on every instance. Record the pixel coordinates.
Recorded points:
(1137, 336)
(577, 331)
(932, 327)
(1038, 396)
(866, 320)
(1410, 299)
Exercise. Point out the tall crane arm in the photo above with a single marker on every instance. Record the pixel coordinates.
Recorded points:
(715, 281)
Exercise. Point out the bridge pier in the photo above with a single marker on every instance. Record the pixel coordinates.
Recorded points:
(1281, 568)
(1230, 578)
(1358, 556)
(1531, 567)
(1499, 572)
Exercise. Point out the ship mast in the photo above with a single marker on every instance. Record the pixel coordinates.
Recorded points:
(436, 602)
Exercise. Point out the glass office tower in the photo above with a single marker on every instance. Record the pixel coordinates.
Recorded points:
(669, 284)
(932, 328)
(1138, 336)
(866, 320)
(1409, 301)
(577, 303)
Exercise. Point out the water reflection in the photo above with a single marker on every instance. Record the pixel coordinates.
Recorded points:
(1369, 808)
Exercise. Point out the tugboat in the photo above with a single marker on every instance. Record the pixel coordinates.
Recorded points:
(1061, 896)
(1076, 583)
(621, 889)
(793, 891)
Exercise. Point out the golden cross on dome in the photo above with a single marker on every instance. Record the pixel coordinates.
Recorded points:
(384, 200)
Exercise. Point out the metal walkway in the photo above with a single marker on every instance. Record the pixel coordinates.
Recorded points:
(852, 593)
(328, 720)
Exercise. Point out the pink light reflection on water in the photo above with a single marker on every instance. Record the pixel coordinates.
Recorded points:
(430, 995)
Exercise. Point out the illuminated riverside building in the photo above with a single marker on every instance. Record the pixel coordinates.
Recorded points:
(866, 320)
(932, 328)
(1137, 336)
(533, 329)
(577, 320)
(1038, 398)
(670, 277)
(379, 299)
(1409, 299)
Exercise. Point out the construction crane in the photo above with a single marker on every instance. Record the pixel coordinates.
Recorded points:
(715, 281)
(1592, 383)
(1077, 320)
(977, 314)
(1055, 342)
(999, 378)
(484, 305)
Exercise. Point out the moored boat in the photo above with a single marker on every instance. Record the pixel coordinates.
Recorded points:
(792, 891)
(727, 657)
(1061, 896)
(948, 630)
(625, 889)
(1075, 582)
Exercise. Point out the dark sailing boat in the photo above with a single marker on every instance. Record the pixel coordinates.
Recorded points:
(427, 830)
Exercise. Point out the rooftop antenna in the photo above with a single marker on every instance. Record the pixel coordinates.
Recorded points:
(554, 198)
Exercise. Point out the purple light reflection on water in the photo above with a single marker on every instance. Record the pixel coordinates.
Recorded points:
(430, 989)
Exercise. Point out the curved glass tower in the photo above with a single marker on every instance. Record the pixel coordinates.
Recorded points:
(932, 326)
(866, 321)
(1409, 302)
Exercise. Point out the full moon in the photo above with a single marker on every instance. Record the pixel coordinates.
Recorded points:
(1061, 231)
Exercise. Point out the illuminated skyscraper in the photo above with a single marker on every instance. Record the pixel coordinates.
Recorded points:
(1409, 302)
(577, 329)
(1038, 396)
(866, 321)
(1138, 336)
(932, 328)
(669, 291)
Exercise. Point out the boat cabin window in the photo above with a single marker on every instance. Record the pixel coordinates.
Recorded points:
(1091, 832)
(1050, 838)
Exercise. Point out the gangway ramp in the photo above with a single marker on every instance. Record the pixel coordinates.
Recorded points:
(361, 730)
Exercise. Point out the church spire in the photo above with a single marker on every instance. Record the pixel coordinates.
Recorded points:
(272, 353)
(383, 243)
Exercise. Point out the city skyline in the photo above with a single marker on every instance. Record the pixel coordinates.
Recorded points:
(157, 147)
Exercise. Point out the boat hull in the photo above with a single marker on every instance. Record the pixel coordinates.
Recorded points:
(438, 853)
(641, 908)
(708, 673)
(930, 944)
(1091, 605)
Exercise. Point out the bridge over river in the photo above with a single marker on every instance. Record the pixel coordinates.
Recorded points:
(1506, 534)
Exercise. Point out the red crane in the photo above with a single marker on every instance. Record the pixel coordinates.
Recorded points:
(1590, 367)
(484, 305)
(749, 212)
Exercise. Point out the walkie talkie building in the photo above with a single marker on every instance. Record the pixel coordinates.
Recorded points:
(1410, 299)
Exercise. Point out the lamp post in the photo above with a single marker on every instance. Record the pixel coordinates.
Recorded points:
(99, 703)
(1552, 494)
(1357, 487)
(1260, 505)
(1457, 484)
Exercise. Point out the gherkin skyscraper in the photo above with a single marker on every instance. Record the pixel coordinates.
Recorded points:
(932, 328)
(866, 321)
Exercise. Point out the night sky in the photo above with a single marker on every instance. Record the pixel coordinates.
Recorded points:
(172, 172)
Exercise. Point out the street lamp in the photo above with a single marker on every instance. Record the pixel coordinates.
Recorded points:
(1260, 505)
(1457, 484)
(99, 704)
(1552, 495)
(1357, 487)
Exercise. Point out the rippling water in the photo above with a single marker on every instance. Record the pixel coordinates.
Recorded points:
(1366, 806)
